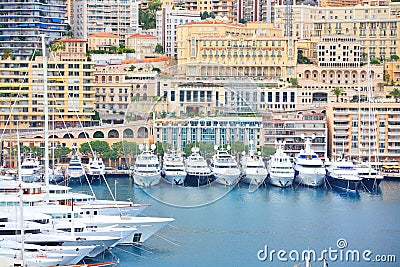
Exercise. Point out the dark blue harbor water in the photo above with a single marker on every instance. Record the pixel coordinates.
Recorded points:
(234, 226)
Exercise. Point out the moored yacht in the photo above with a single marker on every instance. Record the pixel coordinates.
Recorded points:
(146, 171)
(253, 168)
(75, 170)
(342, 174)
(95, 169)
(30, 168)
(280, 169)
(224, 167)
(198, 172)
(173, 169)
(309, 169)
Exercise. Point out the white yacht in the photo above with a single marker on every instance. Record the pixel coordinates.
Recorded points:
(343, 174)
(280, 169)
(309, 169)
(30, 168)
(173, 169)
(198, 172)
(146, 171)
(253, 168)
(75, 170)
(224, 167)
(95, 169)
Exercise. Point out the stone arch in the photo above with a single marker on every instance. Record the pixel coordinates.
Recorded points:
(68, 135)
(110, 78)
(128, 133)
(307, 74)
(314, 75)
(113, 134)
(143, 132)
(53, 136)
(83, 135)
(38, 136)
(98, 134)
(117, 79)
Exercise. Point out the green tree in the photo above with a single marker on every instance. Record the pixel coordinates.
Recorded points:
(98, 146)
(206, 149)
(33, 149)
(132, 68)
(7, 53)
(158, 70)
(301, 59)
(294, 81)
(396, 94)
(61, 152)
(113, 49)
(147, 18)
(110, 154)
(386, 77)
(242, 21)
(204, 15)
(337, 92)
(54, 47)
(266, 151)
(394, 57)
(159, 49)
(375, 61)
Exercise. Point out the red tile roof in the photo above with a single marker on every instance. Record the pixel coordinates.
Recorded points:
(103, 34)
(139, 35)
(70, 40)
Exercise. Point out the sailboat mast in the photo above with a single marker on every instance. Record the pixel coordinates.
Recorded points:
(369, 108)
(21, 203)
(46, 119)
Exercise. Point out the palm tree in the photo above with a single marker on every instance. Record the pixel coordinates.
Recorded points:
(337, 92)
(395, 93)
(54, 47)
(7, 53)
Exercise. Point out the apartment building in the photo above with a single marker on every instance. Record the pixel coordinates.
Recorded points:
(167, 21)
(291, 132)
(363, 129)
(70, 87)
(120, 17)
(254, 10)
(222, 49)
(23, 22)
(117, 87)
(377, 28)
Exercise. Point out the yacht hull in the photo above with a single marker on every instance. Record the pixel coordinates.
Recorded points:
(199, 179)
(228, 178)
(280, 181)
(255, 178)
(74, 179)
(309, 179)
(344, 183)
(371, 183)
(175, 177)
(147, 180)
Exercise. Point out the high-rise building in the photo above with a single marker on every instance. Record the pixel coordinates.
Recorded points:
(70, 93)
(254, 10)
(167, 21)
(22, 23)
(119, 17)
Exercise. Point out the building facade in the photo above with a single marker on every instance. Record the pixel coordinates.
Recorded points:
(70, 87)
(143, 44)
(291, 131)
(120, 17)
(219, 48)
(167, 21)
(23, 22)
(377, 28)
(75, 50)
(363, 129)
(116, 88)
(392, 70)
(212, 130)
(102, 41)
